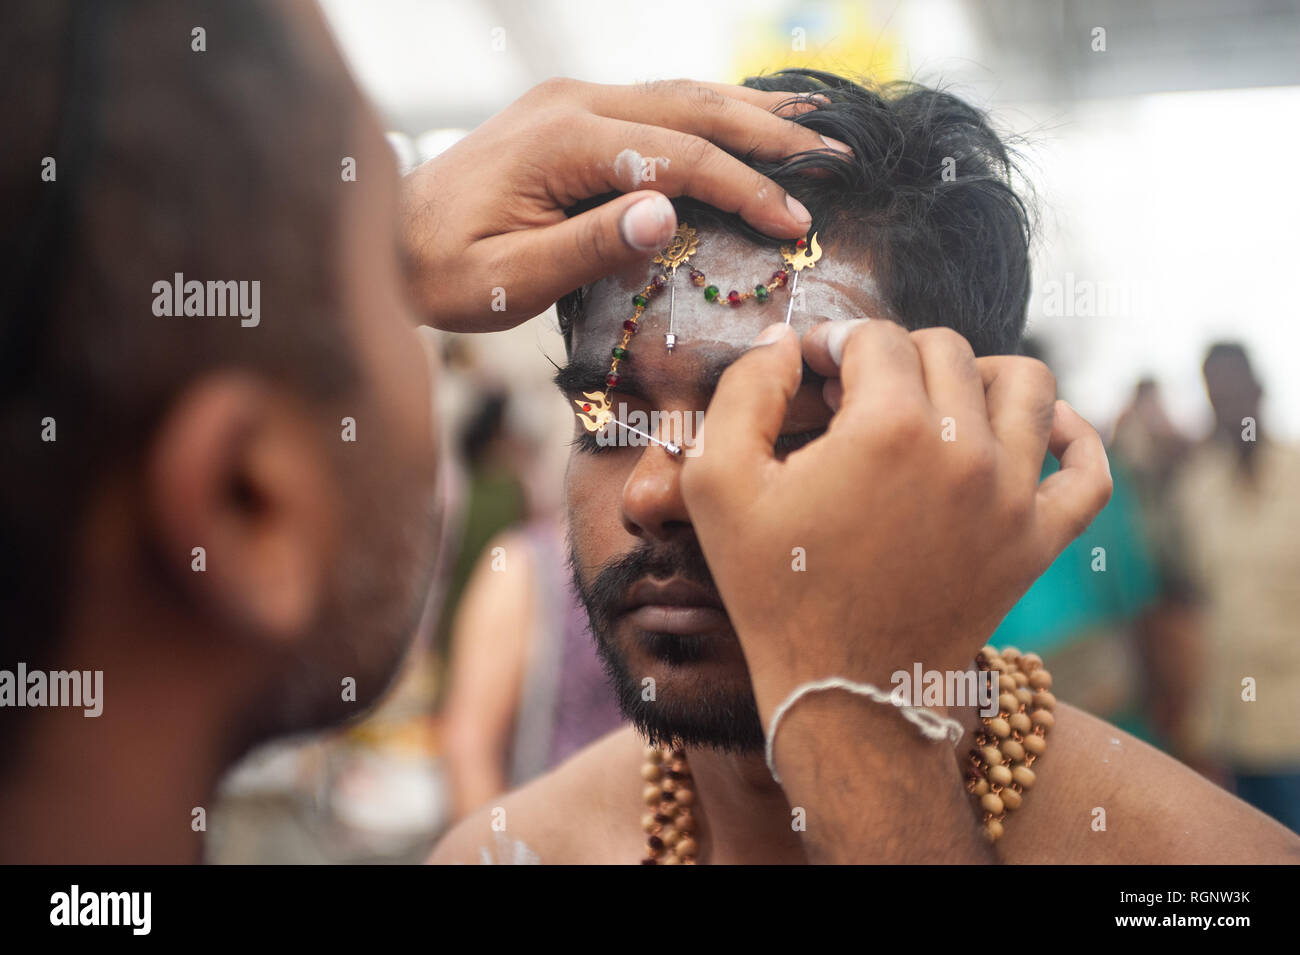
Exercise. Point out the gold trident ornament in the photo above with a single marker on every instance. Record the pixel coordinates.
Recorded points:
(683, 245)
(597, 408)
(596, 413)
(803, 255)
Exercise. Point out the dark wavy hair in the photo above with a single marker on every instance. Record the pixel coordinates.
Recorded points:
(931, 195)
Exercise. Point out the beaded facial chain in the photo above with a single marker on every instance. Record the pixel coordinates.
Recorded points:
(1005, 749)
(595, 411)
(805, 255)
(1009, 743)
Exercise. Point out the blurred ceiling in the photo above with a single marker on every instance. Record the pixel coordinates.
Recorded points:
(438, 63)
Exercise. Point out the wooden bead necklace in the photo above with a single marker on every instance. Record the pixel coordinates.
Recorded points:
(1008, 744)
(669, 823)
(1000, 763)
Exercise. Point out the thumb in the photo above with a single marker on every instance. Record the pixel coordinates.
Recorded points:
(646, 221)
(624, 231)
(750, 402)
(540, 265)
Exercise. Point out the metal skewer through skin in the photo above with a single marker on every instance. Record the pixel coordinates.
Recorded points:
(668, 446)
(670, 339)
(790, 308)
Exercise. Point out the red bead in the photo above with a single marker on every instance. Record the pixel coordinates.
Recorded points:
(659, 281)
(733, 297)
(800, 244)
(612, 380)
(629, 326)
(586, 407)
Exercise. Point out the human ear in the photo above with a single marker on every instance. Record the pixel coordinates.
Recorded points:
(243, 504)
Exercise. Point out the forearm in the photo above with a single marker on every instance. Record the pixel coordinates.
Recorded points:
(873, 788)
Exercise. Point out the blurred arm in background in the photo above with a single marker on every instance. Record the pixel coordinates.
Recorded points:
(489, 657)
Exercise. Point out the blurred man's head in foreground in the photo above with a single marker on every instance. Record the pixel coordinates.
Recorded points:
(226, 509)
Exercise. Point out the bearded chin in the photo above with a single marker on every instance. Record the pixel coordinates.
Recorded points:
(724, 721)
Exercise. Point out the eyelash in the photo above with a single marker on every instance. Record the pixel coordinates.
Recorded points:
(586, 443)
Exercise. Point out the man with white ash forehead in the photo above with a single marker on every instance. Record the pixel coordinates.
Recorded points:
(749, 587)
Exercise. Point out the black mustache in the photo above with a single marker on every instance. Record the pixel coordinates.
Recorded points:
(609, 588)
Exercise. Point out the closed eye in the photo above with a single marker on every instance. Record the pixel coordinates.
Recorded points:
(587, 443)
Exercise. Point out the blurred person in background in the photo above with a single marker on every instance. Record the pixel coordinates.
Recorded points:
(1150, 448)
(521, 685)
(526, 687)
(1238, 504)
(1151, 445)
(491, 496)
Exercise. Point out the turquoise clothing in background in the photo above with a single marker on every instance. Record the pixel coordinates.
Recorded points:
(1072, 599)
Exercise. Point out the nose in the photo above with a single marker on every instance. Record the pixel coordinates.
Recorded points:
(652, 505)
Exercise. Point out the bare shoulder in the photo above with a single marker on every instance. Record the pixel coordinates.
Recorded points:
(587, 810)
(1104, 796)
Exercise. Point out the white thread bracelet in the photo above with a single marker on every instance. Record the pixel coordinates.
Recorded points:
(931, 724)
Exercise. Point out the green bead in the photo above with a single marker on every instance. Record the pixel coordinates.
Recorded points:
(620, 353)
(760, 292)
(640, 301)
(711, 293)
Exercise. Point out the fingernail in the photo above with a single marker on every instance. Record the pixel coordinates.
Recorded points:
(798, 210)
(821, 98)
(836, 145)
(648, 224)
(771, 334)
(838, 334)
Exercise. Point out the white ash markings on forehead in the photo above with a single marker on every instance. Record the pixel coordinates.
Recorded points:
(835, 289)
